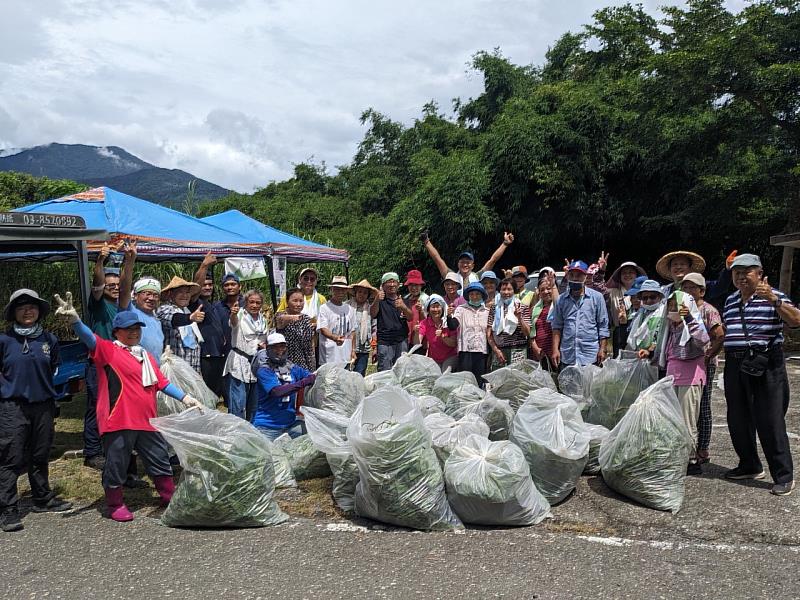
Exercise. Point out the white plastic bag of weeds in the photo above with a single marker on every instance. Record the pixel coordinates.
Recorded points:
(470, 399)
(449, 381)
(336, 389)
(447, 433)
(284, 478)
(489, 483)
(228, 477)
(616, 386)
(377, 380)
(515, 382)
(645, 455)
(416, 373)
(400, 480)
(555, 442)
(328, 432)
(181, 373)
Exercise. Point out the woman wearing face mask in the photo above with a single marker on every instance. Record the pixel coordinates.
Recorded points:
(645, 329)
(509, 325)
(28, 360)
(279, 380)
(541, 334)
(473, 319)
(438, 334)
(179, 322)
(248, 330)
(298, 329)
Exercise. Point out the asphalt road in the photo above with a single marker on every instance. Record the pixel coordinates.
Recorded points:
(729, 541)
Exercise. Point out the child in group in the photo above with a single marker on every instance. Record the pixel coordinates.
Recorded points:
(473, 319)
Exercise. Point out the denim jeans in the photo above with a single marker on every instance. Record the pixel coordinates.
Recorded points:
(362, 362)
(389, 353)
(294, 431)
(243, 399)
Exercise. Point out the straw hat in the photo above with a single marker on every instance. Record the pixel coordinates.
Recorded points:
(179, 282)
(698, 263)
(371, 291)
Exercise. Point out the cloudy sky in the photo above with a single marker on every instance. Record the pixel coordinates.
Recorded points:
(237, 91)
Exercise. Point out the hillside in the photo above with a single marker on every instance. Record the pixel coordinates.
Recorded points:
(110, 166)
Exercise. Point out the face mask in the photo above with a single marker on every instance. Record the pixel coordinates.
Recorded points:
(575, 286)
(674, 316)
(477, 304)
(276, 360)
(650, 307)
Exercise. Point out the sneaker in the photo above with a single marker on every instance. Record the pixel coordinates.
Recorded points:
(740, 473)
(9, 520)
(96, 462)
(134, 481)
(55, 504)
(783, 489)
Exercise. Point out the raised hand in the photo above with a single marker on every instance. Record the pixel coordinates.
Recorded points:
(209, 259)
(66, 309)
(764, 290)
(129, 248)
(198, 316)
(730, 258)
(104, 252)
(235, 309)
(381, 295)
(508, 238)
(603, 260)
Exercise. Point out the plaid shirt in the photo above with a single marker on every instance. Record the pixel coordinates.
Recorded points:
(172, 335)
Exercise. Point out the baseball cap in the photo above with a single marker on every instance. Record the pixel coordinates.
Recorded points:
(389, 276)
(275, 338)
(578, 265)
(230, 277)
(519, 270)
(147, 284)
(125, 319)
(746, 260)
(650, 285)
(466, 254)
(454, 277)
(695, 278)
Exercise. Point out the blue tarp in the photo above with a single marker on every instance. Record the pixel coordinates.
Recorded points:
(162, 233)
(294, 248)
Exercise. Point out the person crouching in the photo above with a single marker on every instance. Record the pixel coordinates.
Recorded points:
(279, 380)
(128, 378)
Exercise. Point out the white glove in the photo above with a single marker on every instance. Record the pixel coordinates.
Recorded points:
(66, 309)
(191, 402)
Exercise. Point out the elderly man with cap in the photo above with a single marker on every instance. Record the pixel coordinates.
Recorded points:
(674, 266)
(756, 383)
(108, 284)
(336, 325)
(28, 360)
(392, 316)
(415, 299)
(279, 380)
(580, 321)
(146, 293)
(363, 294)
(128, 379)
(180, 316)
(694, 284)
(466, 260)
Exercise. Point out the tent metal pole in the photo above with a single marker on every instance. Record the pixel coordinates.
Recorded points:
(272, 293)
(83, 276)
(347, 271)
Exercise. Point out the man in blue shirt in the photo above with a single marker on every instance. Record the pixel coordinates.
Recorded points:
(279, 380)
(146, 292)
(579, 321)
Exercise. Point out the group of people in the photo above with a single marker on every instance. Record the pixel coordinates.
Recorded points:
(260, 365)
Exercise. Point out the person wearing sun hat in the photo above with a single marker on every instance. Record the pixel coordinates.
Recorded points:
(146, 294)
(363, 295)
(452, 292)
(307, 281)
(415, 299)
(579, 320)
(336, 325)
(180, 316)
(392, 317)
(490, 281)
(29, 356)
(472, 320)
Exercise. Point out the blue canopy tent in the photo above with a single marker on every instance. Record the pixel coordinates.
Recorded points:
(295, 249)
(280, 244)
(162, 234)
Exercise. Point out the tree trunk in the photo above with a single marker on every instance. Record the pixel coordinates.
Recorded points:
(785, 284)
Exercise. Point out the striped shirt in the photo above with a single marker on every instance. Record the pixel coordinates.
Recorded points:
(764, 325)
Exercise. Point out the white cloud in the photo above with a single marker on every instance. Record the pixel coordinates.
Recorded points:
(237, 92)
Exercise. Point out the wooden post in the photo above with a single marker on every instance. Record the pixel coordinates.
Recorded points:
(785, 283)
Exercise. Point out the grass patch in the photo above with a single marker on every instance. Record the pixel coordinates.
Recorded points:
(311, 499)
(558, 526)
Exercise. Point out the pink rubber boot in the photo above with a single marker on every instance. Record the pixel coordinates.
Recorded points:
(116, 507)
(165, 487)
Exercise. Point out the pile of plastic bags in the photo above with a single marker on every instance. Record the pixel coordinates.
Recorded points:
(515, 382)
(616, 386)
(469, 399)
(645, 455)
(447, 433)
(416, 373)
(181, 373)
(228, 478)
(336, 389)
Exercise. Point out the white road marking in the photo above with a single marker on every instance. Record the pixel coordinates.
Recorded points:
(659, 545)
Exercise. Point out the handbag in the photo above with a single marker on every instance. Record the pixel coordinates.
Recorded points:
(756, 361)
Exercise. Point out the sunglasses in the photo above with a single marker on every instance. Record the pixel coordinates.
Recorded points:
(112, 286)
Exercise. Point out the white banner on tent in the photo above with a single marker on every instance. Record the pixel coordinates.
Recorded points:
(245, 268)
(279, 273)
